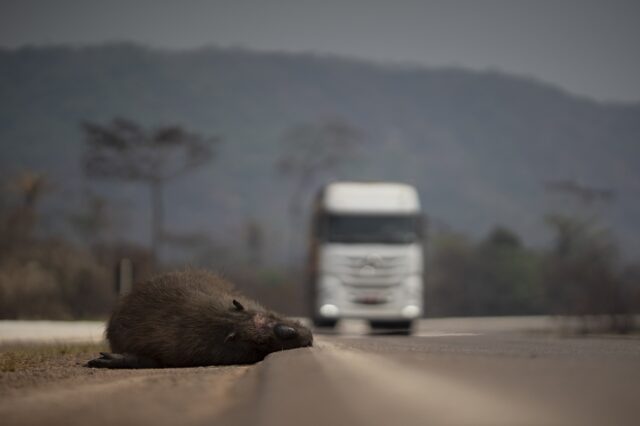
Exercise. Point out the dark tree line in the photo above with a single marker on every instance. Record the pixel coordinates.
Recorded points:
(497, 276)
(579, 276)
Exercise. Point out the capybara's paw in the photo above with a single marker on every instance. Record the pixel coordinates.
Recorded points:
(107, 360)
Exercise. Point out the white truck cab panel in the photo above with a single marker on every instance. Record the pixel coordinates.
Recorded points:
(367, 254)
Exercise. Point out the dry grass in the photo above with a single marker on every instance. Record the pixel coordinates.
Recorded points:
(22, 357)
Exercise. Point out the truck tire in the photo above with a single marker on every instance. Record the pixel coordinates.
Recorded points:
(324, 322)
(394, 327)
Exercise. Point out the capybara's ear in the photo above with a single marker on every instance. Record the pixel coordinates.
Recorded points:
(238, 305)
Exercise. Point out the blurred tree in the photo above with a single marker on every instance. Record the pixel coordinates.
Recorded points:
(45, 277)
(30, 187)
(631, 289)
(93, 221)
(582, 274)
(53, 280)
(501, 237)
(310, 152)
(587, 195)
(124, 150)
(450, 289)
(582, 277)
(497, 276)
(509, 275)
(583, 202)
(254, 240)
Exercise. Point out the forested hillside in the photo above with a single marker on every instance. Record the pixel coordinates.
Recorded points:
(480, 146)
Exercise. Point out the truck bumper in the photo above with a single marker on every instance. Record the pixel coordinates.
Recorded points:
(401, 301)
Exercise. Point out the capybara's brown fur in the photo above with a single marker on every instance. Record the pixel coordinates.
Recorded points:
(194, 318)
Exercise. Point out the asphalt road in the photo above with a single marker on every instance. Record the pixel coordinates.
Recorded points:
(468, 372)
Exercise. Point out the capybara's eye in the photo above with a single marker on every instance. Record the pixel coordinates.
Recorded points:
(285, 332)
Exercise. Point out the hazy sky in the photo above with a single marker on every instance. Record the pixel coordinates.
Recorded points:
(585, 46)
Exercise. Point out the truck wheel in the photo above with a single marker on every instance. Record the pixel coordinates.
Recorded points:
(393, 327)
(324, 322)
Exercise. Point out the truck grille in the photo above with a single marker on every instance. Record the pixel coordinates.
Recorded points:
(372, 269)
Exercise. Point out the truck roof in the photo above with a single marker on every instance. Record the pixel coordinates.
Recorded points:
(370, 197)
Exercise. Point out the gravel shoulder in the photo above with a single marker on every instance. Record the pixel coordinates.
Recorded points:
(51, 386)
(442, 375)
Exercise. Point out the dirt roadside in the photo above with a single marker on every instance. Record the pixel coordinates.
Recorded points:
(51, 386)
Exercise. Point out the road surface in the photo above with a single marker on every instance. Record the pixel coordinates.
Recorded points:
(465, 371)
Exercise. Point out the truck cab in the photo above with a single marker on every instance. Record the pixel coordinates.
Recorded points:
(366, 255)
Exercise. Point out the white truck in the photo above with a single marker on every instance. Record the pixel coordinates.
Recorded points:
(366, 255)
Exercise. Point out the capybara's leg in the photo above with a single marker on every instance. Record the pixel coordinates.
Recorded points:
(109, 360)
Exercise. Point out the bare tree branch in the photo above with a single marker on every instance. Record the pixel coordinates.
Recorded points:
(123, 150)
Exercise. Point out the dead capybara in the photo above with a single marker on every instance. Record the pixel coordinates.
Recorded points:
(194, 318)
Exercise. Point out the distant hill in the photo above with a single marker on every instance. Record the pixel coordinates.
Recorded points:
(478, 145)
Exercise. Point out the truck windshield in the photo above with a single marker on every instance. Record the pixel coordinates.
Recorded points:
(385, 229)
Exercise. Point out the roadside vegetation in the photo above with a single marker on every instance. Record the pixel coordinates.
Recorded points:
(580, 277)
(65, 266)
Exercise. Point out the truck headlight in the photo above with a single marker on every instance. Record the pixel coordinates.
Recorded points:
(328, 310)
(410, 311)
